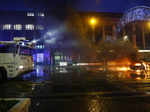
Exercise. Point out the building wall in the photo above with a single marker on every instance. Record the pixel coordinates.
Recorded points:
(106, 28)
(21, 24)
(138, 32)
(135, 25)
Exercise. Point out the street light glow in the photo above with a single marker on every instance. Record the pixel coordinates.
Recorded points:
(93, 21)
(34, 41)
(148, 24)
(125, 38)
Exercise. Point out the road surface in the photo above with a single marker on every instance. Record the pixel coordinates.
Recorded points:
(80, 92)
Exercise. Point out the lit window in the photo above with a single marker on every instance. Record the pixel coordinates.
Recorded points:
(30, 14)
(40, 46)
(39, 27)
(7, 27)
(18, 27)
(41, 14)
(57, 57)
(29, 27)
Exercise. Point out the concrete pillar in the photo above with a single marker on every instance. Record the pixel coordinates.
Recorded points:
(103, 33)
(134, 40)
(114, 31)
(124, 33)
(134, 35)
(93, 35)
(143, 37)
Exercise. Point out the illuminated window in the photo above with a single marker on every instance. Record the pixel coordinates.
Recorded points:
(39, 27)
(57, 57)
(30, 14)
(41, 14)
(7, 27)
(62, 57)
(18, 27)
(40, 57)
(40, 46)
(29, 27)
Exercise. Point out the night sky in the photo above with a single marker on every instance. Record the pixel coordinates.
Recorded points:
(81, 5)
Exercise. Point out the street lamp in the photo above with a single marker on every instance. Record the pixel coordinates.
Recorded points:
(125, 38)
(148, 24)
(93, 23)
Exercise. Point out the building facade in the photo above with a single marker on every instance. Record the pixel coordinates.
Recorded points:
(106, 27)
(21, 24)
(135, 25)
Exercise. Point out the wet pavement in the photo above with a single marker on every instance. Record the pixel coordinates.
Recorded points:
(82, 92)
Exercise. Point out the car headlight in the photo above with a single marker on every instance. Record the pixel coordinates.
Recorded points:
(21, 67)
(32, 65)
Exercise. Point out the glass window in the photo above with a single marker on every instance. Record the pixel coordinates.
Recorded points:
(40, 57)
(29, 27)
(39, 27)
(7, 48)
(30, 14)
(7, 27)
(25, 51)
(18, 27)
(41, 14)
(57, 57)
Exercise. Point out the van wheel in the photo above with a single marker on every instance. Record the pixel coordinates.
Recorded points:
(1, 77)
(3, 74)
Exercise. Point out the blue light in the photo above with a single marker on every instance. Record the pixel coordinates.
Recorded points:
(34, 41)
(1, 45)
(138, 13)
(23, 44)
(40, 46)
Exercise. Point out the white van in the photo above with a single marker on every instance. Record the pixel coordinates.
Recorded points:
(15, 58)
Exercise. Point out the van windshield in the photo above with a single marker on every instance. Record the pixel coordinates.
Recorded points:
(25, 51)
(7, 48)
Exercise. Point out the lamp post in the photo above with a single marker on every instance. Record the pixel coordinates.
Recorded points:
(93, 23)
(148, 24)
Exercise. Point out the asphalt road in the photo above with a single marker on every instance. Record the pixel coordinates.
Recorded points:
(82, 92)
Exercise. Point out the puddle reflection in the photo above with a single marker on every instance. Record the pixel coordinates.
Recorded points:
(38, 75)
(103, 104)
(129, 75)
